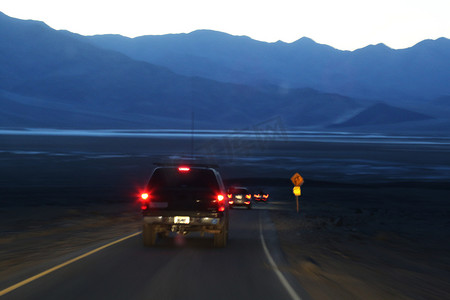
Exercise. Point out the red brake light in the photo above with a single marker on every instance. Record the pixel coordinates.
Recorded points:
(229, 196)
(220, 198)
(231, 202)
(184, 169)
(145, 197)
(248, 196)
(266, 196)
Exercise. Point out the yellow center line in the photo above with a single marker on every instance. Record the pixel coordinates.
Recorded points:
(42, 274)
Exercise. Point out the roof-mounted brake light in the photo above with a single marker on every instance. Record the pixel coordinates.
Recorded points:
(184, 169)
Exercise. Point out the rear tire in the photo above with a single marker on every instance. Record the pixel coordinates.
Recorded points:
(162, 235)
(149, 235)
(221, 239)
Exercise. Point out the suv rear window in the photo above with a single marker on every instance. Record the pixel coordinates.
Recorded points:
(238, 191)
(171, 178)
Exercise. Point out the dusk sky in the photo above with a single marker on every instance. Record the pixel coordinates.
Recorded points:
(344, 24)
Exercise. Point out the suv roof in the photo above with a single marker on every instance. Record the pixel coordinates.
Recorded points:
(191, 163)
(185, 177)
(238, 189)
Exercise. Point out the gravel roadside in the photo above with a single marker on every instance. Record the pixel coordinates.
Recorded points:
(368, 242)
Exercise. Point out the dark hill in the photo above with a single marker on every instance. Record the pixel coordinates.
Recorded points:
(57, 79)
(381, 114)
(443, 100)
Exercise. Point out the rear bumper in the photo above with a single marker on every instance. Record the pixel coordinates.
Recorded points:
(239, 201)
(199, 221)
(240, 204)
(194, 221)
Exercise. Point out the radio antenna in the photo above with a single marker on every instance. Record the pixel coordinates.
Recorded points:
(192, 135)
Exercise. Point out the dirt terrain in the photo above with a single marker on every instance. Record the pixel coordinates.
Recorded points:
(369, 242)
(351, 240)
(36, 236)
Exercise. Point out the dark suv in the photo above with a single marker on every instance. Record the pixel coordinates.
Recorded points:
(239, 196)
(184, 199)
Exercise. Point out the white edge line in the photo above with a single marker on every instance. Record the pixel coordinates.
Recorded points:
(275, 268)
(42, 274)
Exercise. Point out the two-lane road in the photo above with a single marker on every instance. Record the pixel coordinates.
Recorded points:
(188, 268)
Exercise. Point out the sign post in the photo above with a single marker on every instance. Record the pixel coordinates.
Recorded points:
(297, 180)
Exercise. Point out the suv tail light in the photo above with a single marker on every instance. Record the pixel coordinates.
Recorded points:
(220, 202)
(249, 196)
(145, 199)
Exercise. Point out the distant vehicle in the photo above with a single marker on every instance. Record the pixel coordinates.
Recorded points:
(239, 196)
(261, 196)
(184, 199)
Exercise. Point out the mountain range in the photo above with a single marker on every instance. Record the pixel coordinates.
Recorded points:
(58, 79)
(374, 72)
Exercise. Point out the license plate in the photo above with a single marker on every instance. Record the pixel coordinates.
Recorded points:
(181, 220)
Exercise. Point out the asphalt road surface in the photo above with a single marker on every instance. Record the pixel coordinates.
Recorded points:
(251, 267)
